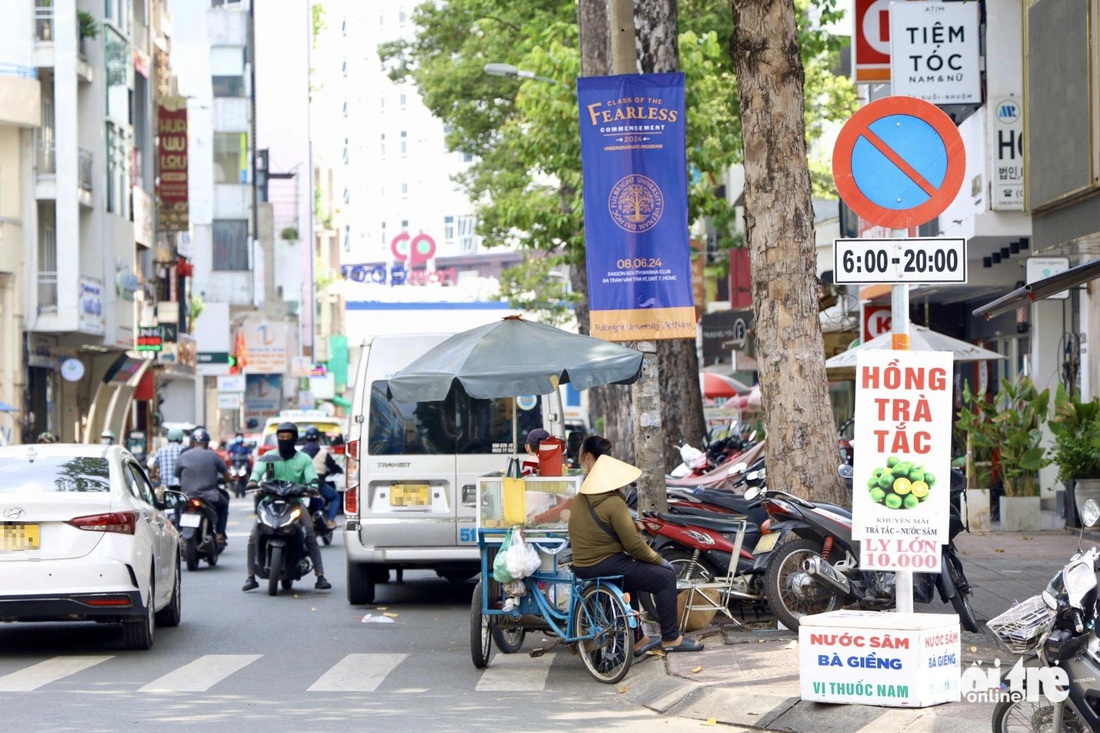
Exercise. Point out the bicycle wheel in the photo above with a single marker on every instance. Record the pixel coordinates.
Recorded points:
(509, 639)
(601, 621)
(481, 640)
(961, 599)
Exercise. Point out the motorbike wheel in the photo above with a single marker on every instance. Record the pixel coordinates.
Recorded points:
(783, 566)
(275, 571)
(481, 639)
(191, 554)
(1025, 716)
(326, 536)
(286, 583)
(686, 569)
(961, 599)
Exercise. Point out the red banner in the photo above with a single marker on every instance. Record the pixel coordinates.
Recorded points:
(172, 164)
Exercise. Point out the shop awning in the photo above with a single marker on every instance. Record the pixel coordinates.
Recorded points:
(1040, 289)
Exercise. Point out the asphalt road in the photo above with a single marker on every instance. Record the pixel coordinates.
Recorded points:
(302, 661)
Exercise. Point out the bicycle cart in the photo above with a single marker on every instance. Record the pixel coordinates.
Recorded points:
(592, 615)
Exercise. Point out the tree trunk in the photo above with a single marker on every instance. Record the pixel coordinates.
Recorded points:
(678, 361)
(802, 453)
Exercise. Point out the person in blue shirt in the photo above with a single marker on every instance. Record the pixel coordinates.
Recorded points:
(237, 449)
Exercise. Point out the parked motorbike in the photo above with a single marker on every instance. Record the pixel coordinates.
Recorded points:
(239, 472)
(819, 571)
(725, 476)
(1057, 629)
(197, 520)
(281, 553)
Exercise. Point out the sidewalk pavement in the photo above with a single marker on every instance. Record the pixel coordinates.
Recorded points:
(748, 676)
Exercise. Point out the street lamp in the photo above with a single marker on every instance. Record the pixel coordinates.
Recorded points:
(498, 69)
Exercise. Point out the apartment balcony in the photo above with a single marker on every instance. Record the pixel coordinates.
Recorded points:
(45, 166)
(20, 96)
(44, 27)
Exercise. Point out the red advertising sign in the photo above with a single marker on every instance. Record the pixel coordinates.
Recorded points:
(872, 41)
(172, 163)
(876, 321)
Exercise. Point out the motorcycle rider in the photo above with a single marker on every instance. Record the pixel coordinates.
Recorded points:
(295, 467)
(198, 470)
(107, 437)
(238, 450)
(164, 462)
(325, 466)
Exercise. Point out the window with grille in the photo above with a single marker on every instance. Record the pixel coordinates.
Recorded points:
(230, 248)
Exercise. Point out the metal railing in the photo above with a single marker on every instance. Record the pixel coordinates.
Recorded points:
(84, 161)
(81, 45)
(26, 72)
(45, 158)
(47, 289)
(43, 23)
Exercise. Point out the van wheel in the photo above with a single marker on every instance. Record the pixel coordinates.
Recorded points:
(361, 579)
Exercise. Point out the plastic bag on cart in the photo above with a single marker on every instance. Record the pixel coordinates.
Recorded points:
(500, 567)
(522, 559)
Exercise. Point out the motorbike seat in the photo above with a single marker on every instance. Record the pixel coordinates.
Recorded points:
(727, 524)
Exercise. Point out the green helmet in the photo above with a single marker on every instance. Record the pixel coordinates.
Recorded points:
(175, 435)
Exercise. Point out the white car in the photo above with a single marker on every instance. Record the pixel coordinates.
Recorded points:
(82, 539)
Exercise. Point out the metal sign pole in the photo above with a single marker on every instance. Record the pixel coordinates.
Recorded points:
(899, 340)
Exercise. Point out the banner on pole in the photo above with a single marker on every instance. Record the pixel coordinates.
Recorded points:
(902, 474)
(634, 158)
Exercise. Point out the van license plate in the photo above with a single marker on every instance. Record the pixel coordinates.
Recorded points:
(766, 543)
(409, 495)
(18, 537)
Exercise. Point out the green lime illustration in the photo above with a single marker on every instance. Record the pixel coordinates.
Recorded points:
(916, 475)
(893, 501)
(911, 501)
(877, 495)
(886, 480)
(929, 479)
(892, 461)
(902, 486)
(919, 489)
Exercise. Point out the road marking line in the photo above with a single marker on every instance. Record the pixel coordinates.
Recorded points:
(515, 673)
(46, 672)
(201, 674)
(358, 673)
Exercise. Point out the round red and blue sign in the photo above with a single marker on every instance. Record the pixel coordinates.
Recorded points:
(899, 162)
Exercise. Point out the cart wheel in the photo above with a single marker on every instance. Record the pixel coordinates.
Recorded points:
(481, 640)
(508, 639)
(606, 640)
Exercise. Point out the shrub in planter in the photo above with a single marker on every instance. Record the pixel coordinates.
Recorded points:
(1076, 428)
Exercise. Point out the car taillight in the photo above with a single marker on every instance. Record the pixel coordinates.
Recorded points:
(120, 522)
(351, 475)
(353, 449)
(351, 501)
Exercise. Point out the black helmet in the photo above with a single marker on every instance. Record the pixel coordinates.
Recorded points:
(312, 433)
(200, 436)
(287, 427)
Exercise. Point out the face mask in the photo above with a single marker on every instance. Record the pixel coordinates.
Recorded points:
(105, 441)
(286, 449)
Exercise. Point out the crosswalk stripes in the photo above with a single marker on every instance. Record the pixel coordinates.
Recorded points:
(515, 673)
(201, 674)
(43, 673)
(352, 673)
(358, 673)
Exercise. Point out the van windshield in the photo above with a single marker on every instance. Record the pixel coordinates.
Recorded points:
(458, 425)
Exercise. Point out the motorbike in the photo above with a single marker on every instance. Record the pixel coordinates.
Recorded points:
(1057, 630)
(281, 554)
(239, 472)
(818, 570)
(320, 520)
(725, 476)
(196, 521)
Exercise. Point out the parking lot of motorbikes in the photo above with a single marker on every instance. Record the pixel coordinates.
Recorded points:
(796, 555)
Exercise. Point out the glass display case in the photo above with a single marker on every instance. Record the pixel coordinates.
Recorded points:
(534, 502)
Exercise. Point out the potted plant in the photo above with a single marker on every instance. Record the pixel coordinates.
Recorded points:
(87, 25)
(1011, 425)
(1076, 428)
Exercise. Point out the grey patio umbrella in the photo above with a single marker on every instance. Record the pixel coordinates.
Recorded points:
(514, 357)
(921, 338)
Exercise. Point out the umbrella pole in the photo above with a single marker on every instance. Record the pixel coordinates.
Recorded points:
(515, 430)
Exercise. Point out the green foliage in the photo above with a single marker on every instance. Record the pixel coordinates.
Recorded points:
(543, 287)
(1011, 424)
(87, 25)
(289, 234)
(1076, 428)
(317, 16)
(524, 134)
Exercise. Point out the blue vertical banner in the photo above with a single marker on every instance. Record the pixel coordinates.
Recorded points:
(634, 159)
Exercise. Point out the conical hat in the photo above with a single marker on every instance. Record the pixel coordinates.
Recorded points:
(608, 474)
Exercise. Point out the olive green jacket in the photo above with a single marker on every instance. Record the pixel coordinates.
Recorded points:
(591, 544)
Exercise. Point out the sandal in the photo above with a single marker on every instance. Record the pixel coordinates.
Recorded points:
(685, 645)
(653, 643)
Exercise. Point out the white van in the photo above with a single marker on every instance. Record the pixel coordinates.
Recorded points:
(413, 468)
